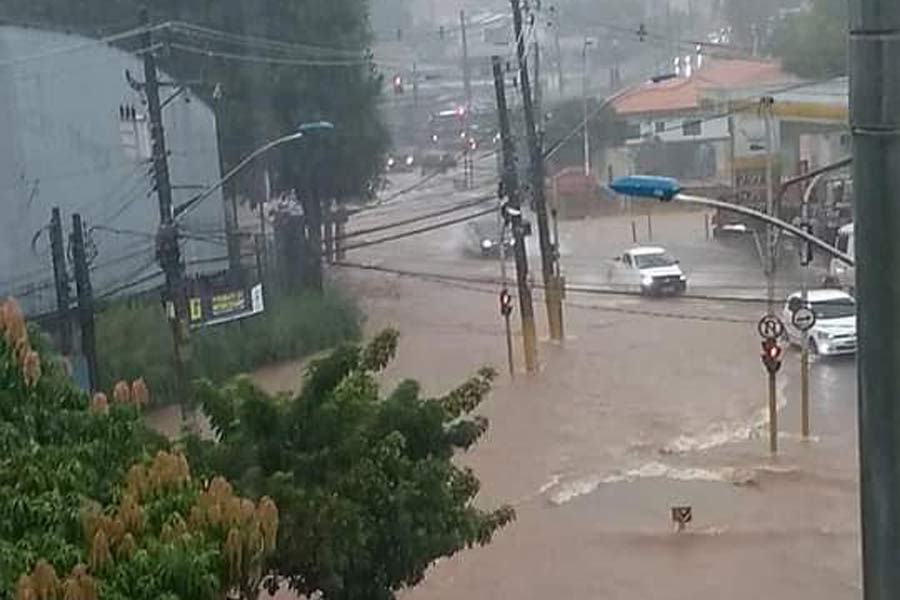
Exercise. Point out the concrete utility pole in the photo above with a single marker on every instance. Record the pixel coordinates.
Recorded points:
(168, 252)
(538, 86)
(552, 284)
(513, 211)
(61, 281)
(468, 165)
(875, 123)
(85, 303)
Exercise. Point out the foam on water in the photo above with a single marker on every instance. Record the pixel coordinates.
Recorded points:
(653, 470)
(721, 434)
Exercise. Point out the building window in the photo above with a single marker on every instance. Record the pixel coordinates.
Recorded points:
(660, 127)
(633, 131)
(691, 128)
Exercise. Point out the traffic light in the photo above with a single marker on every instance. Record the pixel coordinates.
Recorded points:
(771, 355)
(506, 305)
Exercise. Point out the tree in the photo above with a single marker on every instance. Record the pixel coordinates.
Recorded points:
(85, 513)
(366, 486)
(565, 123)
(814, 44)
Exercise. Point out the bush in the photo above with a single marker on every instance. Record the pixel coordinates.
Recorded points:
(134, 340)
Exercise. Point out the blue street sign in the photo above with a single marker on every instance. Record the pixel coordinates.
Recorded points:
(646, 186)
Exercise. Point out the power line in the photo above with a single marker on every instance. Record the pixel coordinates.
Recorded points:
(420, 230)
(103, 41)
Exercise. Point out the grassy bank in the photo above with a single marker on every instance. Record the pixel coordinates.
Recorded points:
(133, 339)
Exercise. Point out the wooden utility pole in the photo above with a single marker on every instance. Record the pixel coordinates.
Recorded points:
(552, 283)
(85, 302)
(61, 281)
(513, 212)
(168, 252)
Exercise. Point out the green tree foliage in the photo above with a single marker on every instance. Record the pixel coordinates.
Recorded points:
(814, 44)
(85, 513)
(262, 90)
(565, 118)
(133, 344)
(366, 485)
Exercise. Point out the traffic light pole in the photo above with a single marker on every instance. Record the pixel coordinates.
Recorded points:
(552, 284)
(773, 413)
(514, 211)
(506, 314)
(875, 124)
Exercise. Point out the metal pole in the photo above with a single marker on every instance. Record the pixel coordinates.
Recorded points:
(773, 414)
(875, 123)
(552, 284)
(511, 189)
(503, 281)
(804, 340)
(559, 62)
(766, 107)
(649, 226)
(584, 109)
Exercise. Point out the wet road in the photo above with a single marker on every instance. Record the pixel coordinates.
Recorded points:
(650, 403)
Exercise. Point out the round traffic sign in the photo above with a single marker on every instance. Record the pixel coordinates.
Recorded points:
(803, 318)
(770, 326)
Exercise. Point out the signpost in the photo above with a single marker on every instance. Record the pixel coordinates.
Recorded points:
(804, 319)
(771, 328)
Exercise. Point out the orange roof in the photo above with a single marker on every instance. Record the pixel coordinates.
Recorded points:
(683, 93)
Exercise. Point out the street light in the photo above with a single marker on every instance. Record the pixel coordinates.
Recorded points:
(584, 104)
(183, 208)
(667, 189)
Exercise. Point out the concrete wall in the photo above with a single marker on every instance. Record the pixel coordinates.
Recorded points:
(64, 145)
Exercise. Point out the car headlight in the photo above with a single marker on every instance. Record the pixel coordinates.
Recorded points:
(390, 162)
(825, 334)
(409, 161)
(487, 244)
(682, 277)
(647, 280)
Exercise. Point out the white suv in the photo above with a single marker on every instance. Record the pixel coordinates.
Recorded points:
(834, 332)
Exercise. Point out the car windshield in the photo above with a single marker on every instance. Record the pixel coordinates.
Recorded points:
(834, 309)
(649, 261)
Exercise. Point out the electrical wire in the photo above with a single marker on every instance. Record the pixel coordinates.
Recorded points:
(420, 230)
(109, 39)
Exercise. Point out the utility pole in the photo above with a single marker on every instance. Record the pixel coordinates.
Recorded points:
(61, 281)
(505, 301)
(168, 252)
(513, 212)
(874, 102)
(559, 62)
(552, 284)
(85, 302)
(765, 105)
(468, 166)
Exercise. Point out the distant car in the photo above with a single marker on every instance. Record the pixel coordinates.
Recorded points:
(651, 269)
(437, 161)
(484, 238)
(400, 162)
(834, 332)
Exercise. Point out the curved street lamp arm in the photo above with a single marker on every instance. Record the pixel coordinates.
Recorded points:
(749, 212)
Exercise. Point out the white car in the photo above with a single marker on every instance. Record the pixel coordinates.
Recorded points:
(651, 269)
(834, 332)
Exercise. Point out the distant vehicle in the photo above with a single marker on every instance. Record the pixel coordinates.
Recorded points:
(834, 332)
(437, 161)
(484, 236)
(401, 162)
(840, 273)
(651, 269)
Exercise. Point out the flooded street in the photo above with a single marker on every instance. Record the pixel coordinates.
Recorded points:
(649, 404)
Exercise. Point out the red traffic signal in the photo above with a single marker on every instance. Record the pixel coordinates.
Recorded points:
(506, 306)
(771, 355)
